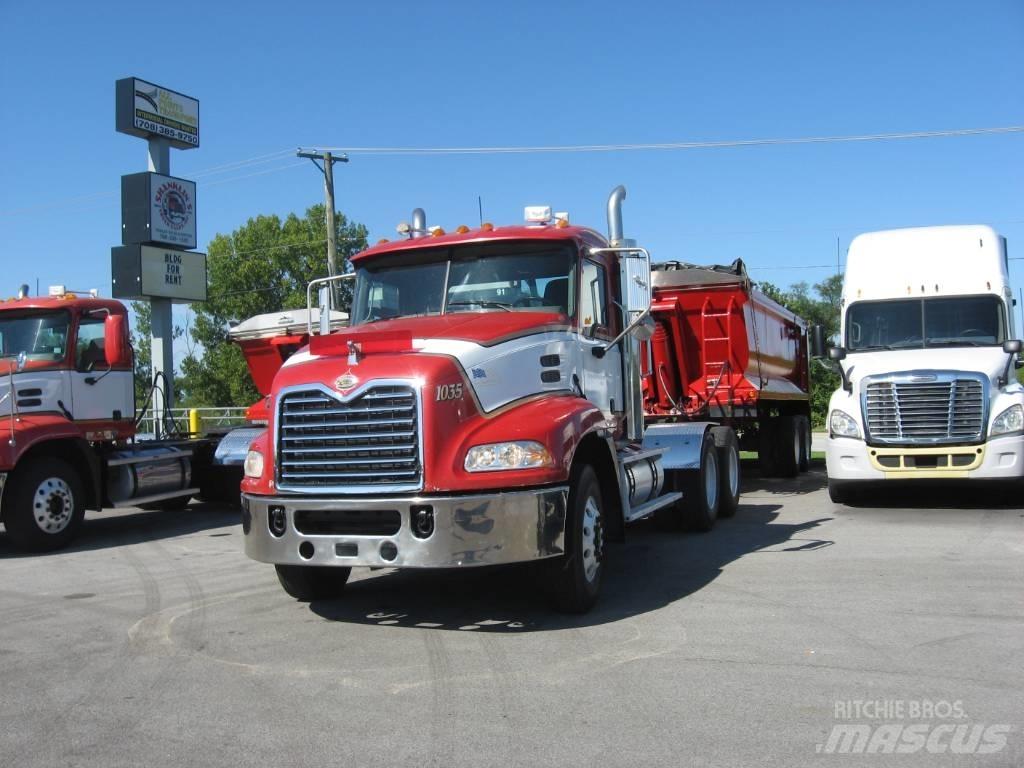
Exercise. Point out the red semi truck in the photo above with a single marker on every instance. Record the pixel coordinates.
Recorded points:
(67, 411)
(487, 404)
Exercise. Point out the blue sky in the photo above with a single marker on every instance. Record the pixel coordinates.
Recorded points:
(271, 77)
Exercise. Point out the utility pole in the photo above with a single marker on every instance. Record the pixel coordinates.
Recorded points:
(327, 169)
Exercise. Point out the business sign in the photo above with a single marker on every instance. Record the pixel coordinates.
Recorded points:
(147, 110)
(158, 209)
(146, 271)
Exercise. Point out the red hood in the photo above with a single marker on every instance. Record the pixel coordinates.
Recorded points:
(480, 327)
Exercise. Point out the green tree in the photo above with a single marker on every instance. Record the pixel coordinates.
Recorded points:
(263, 266)
(821, 308)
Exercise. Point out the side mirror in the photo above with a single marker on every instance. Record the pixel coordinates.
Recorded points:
(115, 341)
(20, 361)
(1012, 346)
(818, 341)
(837, 353)
(643, 330)
(324, 300)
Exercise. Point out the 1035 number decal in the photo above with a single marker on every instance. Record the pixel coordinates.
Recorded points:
(449, 392)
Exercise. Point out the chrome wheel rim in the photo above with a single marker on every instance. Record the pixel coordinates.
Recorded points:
(711, 481)
(53, 504)
(591, 540)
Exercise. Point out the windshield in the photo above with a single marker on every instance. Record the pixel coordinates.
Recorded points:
(967, 321)
(41, 336)
(502, 277)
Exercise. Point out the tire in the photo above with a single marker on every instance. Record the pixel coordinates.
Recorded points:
(176, 504)
(44, 504)
(805, 443)
(312, 582)
(766, 435)
(841, 492)
(789, 447)
(702, 489)
(574, 580)
(728, 449)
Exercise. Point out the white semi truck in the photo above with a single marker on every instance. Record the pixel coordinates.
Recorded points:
(927, 356)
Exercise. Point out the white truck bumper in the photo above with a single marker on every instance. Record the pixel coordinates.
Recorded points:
(464, 531)
(1001, 458)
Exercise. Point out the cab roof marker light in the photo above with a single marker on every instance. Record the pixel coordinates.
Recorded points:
(436, 231)
(462, 229)
(487, 227)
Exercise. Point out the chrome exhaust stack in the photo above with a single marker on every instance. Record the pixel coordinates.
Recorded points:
(419, 223)
(615, 215)
(23, 291)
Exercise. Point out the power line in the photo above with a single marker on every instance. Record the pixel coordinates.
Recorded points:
(676, 145)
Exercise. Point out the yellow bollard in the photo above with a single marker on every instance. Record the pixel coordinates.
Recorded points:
(195, 421)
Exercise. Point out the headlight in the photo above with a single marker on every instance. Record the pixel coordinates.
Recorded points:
(254, 464)
(1010, 420)
(842, 425)
(520, 454)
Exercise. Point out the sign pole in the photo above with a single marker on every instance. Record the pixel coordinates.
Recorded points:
(161, 321)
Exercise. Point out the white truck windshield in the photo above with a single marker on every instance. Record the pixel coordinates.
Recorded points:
(470, 278)
(961, 321)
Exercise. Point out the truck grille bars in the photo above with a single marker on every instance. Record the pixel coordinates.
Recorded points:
(370, 443)
(928, 409)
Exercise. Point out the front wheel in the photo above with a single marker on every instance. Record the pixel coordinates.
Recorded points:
(44, 504)
(574, 580)
(312, 582)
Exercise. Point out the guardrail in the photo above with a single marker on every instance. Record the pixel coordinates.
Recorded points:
(209, 418)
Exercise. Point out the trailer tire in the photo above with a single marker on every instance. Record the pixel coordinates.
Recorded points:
(805, 443)
(728, 448)
(789, 446)
(312, 582)
(702, 489)
(574, 580)
(766, 435)
(44, 504)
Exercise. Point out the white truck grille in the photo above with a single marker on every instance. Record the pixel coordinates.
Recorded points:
(934, 411)
(368, 443)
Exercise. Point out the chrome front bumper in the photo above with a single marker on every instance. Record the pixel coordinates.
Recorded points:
(466, 530)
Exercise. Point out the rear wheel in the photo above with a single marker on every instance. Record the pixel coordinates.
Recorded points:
(574, 580)
(805, 443)
(44, 504)
(766, 435)
(789, 446)
(312, 582)
(728, 449)
(701, 489)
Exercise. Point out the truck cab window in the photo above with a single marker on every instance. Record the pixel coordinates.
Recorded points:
(592, 297)
(41, 336)
(89, 354)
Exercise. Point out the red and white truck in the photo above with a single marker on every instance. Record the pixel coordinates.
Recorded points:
(486, 405)
(67, 413)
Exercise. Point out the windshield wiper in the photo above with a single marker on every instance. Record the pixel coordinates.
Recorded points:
(484, 304)
(870, 347)
(956, 343)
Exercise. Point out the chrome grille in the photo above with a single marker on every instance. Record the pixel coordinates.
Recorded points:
(935, 411)
(371, 441)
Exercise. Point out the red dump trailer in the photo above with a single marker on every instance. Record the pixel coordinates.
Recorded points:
(723, 351)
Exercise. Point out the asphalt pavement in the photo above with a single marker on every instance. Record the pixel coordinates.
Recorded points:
(797, 633)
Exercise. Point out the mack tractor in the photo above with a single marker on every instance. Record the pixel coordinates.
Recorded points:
(484, 406)
(67, 412)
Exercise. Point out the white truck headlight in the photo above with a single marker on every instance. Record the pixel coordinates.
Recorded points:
(841, 424)
(518, 454)
(253, 464)
(1010, 420)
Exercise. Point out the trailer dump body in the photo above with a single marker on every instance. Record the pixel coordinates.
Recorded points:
(720, 347)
